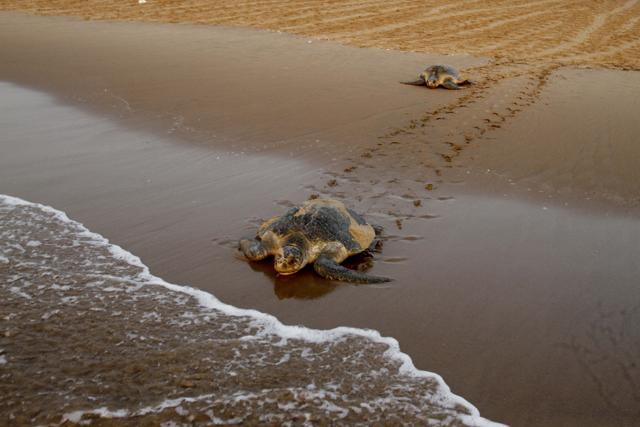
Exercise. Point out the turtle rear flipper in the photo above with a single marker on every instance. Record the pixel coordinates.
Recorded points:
(465, 82)
(331, 270)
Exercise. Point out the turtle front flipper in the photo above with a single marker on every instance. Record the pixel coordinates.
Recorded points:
(253, 249)
(419, 82)
(450, 84)
(331, 270)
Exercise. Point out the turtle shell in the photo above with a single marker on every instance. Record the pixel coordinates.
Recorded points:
(322, 221)
(442, 71)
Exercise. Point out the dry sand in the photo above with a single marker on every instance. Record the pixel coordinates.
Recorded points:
(548, 31)
(511, 208)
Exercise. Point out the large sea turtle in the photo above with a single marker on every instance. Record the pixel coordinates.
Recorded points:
(322, 232)
(439, 75)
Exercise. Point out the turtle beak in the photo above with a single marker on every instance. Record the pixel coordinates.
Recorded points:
(289, 262)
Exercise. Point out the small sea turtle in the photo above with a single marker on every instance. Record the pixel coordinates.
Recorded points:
(439, 75)
(322, 232)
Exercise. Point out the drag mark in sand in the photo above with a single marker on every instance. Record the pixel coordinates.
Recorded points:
(102, 338)
(501, 92)
(418, 155)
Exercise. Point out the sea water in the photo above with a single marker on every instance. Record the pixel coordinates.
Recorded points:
(90, 333)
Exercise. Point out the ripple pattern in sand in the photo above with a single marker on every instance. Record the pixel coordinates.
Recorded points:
(571, 32)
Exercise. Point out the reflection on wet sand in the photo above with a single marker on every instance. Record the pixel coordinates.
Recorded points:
(306, 284)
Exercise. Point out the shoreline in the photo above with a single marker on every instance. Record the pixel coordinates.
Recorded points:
(57, 229)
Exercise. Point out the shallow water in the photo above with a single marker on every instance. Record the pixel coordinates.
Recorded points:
(87, 325)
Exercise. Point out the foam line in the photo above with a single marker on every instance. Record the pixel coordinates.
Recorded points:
(269, 324)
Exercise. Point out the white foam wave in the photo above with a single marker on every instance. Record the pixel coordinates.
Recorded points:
(268, 325)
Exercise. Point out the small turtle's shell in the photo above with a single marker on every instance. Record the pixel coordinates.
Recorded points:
(442, 72)
(322, 221)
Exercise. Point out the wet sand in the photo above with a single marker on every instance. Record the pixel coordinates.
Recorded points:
(526, 306)
(579, 142)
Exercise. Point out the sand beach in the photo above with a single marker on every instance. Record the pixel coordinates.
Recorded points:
(510, 211)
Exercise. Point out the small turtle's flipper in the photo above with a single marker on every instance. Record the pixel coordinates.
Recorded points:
(253, 249)
(329, 269)
(449, 84)
(465, 82)
(419, 82)
(376, 246)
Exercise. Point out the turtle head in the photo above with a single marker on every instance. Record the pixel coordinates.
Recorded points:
(432, 81)
(290, 261)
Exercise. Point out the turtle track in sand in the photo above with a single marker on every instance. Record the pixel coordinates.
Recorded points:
(423, 154)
